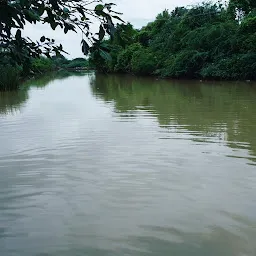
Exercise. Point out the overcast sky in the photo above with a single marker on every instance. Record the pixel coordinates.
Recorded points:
(138, 12)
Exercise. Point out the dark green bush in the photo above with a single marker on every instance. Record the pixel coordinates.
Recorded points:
(248, 25)
(125, 57)
(241, 66)
(143, 62)
(60, 61)
(9, 77)
(186, 64)
(77, 63)
(42, 65)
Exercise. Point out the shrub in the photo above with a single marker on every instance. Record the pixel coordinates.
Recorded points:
(248, 25)
(185, 64)
(77, 63)
(42, 65)
(10, 77)
(242, 66)
(143, 62)
(125, 57)
(60, 61)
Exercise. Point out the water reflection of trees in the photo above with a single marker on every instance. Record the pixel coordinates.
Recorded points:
(208, 109)
(44, 80)
(171, 241)
(12, 101)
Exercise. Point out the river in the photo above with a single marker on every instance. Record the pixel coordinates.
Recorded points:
(118, 165)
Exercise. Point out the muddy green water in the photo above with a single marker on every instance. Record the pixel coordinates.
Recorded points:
(117, 165)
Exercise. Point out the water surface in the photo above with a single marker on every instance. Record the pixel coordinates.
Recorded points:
(118, 165)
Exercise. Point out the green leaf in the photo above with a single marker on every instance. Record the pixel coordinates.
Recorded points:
(40, 10)
(66, 30)
(42, 39)
(53, 25)
(105, 46)
(18, 34)
(32, 15)
(109, 6)
(85, 47)
(54, 4)
(23, 2)
(105, 55)
(47, 54)
(101, 32)
(81, 11)
(117, 17)
(65, 10)
(99, 7)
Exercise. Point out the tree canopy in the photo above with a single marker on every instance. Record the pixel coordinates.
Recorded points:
(206, 41)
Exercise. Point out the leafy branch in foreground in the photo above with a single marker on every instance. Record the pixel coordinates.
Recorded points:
(74, 15)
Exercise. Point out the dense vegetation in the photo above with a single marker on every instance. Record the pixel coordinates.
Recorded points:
(42, 64)
(196, 107)
(210, 41)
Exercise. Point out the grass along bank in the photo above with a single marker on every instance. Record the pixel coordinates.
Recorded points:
(9, 77)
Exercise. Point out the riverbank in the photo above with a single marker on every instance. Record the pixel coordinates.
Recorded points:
(157, 77)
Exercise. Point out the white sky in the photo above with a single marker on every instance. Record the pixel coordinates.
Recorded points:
(138, 12)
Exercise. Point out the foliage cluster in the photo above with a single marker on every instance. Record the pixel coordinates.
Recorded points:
(9, 77)
(211, 41)
(43, 64)
(74, 15)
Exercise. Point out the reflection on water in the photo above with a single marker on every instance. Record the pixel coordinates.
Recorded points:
(210, 111)
(44, 80)
(118, 165)
(12, 101)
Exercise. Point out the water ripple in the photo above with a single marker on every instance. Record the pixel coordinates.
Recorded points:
(93, 166)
